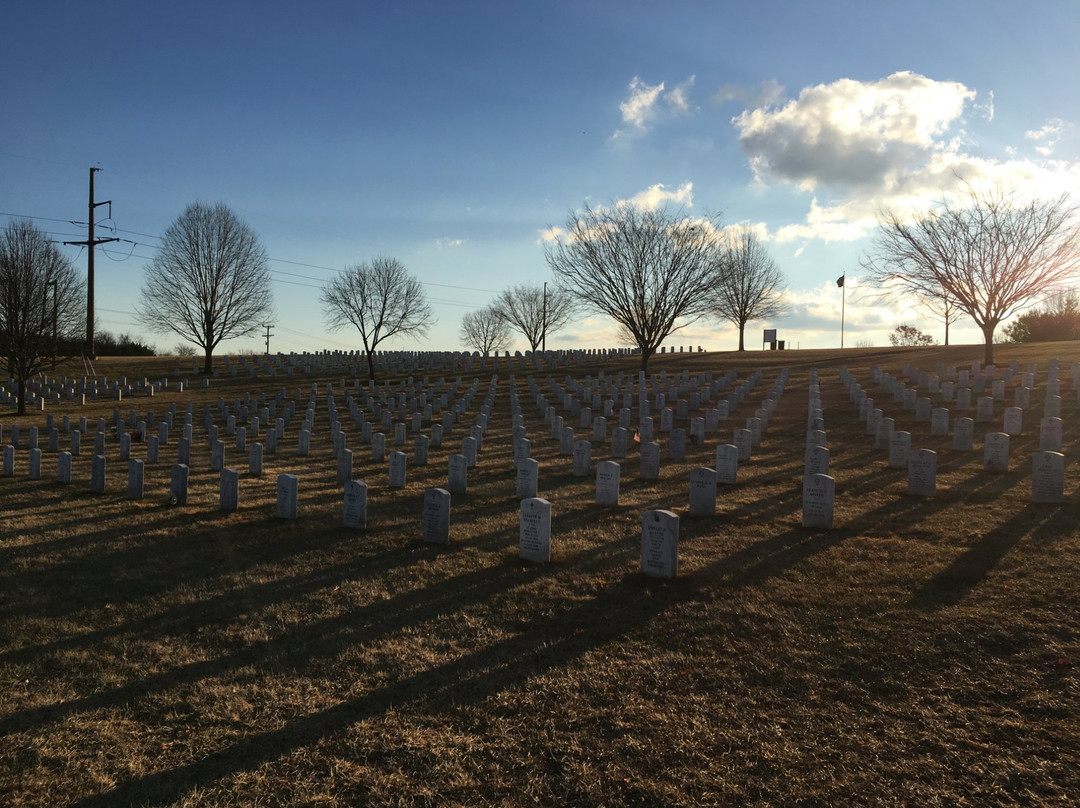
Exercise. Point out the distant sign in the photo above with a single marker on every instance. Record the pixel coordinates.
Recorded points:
(770, 335)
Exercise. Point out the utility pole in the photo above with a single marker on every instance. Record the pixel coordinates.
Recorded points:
(543, 334)
(268, 326)
(90, 244)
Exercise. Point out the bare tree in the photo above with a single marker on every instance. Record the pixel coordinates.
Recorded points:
(485, 330)
(652, 271)
(381, 300)
(210, 280)
(40, 302)
(993, 255)
(535, 311)
(942, 308)
(750, 287)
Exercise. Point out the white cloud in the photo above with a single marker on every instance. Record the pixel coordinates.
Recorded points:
(647, 103)
(1047, 136)
(656, 196)
(679, 97)
(851, 133)
(640, 108)
(449, 243)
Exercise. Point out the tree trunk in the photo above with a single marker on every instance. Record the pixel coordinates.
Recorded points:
(742, 333)
(22, 394)
(370, 363)
(988, 350)
(208, 363)
(646, 355)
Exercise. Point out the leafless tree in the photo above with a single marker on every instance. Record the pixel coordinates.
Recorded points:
(652, 271)
(534, 311)
(210, 280)
(751, 286)
(381, 300)
(485, 330)
(41, 302)
(942, 308)
(992, 253)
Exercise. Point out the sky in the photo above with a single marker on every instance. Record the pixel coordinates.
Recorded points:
(454, 136)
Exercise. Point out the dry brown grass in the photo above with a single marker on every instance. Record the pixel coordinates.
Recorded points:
(923, 652)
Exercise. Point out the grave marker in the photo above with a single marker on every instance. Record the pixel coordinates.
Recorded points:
(607, 482)
(660, 544)
(702, 492)
(436, 516)
(534, 537)
(1047, 477)
(287, 496)
(354, 513)
(818, 501)
(922, 473)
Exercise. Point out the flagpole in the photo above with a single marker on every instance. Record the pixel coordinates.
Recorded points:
(843, 304)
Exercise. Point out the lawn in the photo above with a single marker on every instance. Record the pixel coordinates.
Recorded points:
(921, 652)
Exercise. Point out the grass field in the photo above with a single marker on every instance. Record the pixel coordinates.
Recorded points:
(922, 652)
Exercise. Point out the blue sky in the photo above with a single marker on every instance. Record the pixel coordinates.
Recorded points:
(452, 135)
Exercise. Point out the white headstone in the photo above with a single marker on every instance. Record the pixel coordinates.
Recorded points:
(727, 464)
(817, 501)
(178, 484)
(1014, 421)
(607, 482)
(436, 517)
(1048, 477)
(135, 479)
(660, 544)
(528, 473)
(582, 458)
(650, 461)
(817, 460)
(458, 474)
(996, 452)
(397, 469)
(355, 505)
(702, 492)
(899, 445)
(287, 496)
(63, 470)
(922, 473)
(535, 530)
(742, 443)
(229, 490)
(255, 459)
(97, 474)
(963, 435)
(1050, 434)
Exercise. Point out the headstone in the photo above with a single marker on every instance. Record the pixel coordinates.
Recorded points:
(619, 437)
(817, 460)
(217, 455)
(677, 444)
(97, 474)
(535, 530)
(255, 458)
(650, 461)
(742, 443)
(397, 469)
(458, 474)
(229, 490)
(607, 482)
(1048, 477)
(996, 452)
(1013, 421)
(63, 468)
(939, 422)
(436, 515)
(899, 445)
(287, 496)
(135, 479)
(378, 447)
(344, 465)
(1050, 434)
(817, 501)
(922, 473)
(963, 435)
(727, 464)
(528, 473)
(178, 484)
(582, 458)
(468, 450)
(420, 450)
(702, 492)
(660, 544)
(355, 507)
(984, 410)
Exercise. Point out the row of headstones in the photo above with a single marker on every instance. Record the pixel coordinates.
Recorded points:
(1048, 464)
(984, 405)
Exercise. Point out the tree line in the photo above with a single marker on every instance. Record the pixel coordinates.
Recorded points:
(989, 255)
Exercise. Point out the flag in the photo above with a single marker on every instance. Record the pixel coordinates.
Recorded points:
(840, 281)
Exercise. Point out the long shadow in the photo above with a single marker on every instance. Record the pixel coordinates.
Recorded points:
(953, 584)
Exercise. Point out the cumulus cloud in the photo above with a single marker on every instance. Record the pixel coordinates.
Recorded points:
(449, 243)
(851, 133)
(679, 98)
